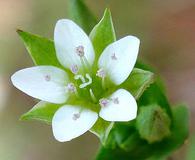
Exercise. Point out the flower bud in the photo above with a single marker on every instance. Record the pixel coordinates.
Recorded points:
(153, 123)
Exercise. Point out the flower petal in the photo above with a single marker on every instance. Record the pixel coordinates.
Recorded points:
(68, 37)
(119, 58)
(122, 106)
(70, 122)
(46, 83)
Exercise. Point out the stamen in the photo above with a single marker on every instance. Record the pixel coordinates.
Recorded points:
(47, 77)
(92, 95)
(76, 116)
(101, 73)
(115, 100)
(71, 88)
(103, 102)
(74, 69)
(80, 51)
(114, 56)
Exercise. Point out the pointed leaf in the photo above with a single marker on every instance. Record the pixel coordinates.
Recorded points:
(138, 81)
(103, 33)
(102, 129)
(41, 49)
(81, 14)
(42, 111)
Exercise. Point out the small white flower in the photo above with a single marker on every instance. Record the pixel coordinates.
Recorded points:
(75, 52)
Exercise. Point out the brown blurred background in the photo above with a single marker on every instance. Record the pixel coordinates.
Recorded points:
(167, 33)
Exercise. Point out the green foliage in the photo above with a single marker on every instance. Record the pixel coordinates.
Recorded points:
(42, 111)
(102, 129)
(41, 50)
(191, 148)
(133, 147)
(103, 33)
(155, 94)
(153, 123)
(138, 81)
(81, 14)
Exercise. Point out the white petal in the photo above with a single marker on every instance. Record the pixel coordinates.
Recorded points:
(124, 110)
(119, 58)
(67, 37)
(70, 122)
(46, 83)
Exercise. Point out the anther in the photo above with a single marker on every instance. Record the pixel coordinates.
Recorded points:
(76, 116)
(80, 51)
(47, 77)
(114, 56)
(71, 88)
(115, 100)
(101, 73)
(103, 102)
(74, 69)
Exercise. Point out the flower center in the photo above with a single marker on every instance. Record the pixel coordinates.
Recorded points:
(83, 80)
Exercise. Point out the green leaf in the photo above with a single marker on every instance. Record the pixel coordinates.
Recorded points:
(103, 33)
(153, 123)
(81, 14)
(102, 129)
(191, 148)
(41, 49)
(43, 111)
(138, 81)
(130, 148)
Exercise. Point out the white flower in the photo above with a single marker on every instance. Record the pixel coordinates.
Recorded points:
(75, 52)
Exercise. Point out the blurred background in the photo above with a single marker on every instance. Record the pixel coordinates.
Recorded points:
(167, 33)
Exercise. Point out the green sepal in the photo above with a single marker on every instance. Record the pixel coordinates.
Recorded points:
(153, 123)
(102, 129)
(42, 111)
(81, 14)
(41, 49)
(103, 33)
(155, 94)
(138, 81)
